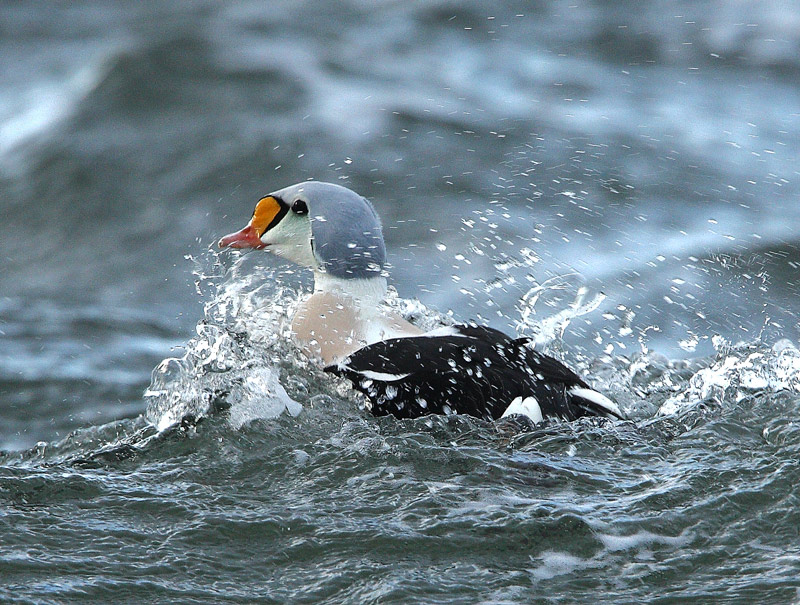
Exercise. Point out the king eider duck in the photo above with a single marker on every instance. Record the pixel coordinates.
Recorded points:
(403, 371)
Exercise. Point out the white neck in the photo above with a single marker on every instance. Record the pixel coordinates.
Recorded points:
(366, 294)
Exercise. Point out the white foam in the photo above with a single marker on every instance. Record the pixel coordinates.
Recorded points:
(738, 372)
(557, 564)
(640, 540)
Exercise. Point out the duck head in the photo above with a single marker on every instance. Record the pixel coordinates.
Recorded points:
(323, 226)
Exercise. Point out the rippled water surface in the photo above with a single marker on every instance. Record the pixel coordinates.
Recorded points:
(616, 180)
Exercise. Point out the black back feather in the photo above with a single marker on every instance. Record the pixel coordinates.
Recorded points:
(476, 370)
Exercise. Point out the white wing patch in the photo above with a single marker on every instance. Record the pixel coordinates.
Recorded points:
(444, 331)
(597, 398)
(382, 376)
(527, 407)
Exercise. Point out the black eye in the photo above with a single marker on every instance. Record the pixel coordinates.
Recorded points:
(299, 207)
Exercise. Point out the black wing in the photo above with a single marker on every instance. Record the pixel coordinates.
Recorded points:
(411, 377)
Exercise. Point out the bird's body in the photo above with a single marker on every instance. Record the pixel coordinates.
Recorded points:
(467, 369)
(403, 371)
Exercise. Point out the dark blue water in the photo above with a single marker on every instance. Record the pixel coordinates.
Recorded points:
(618, 180)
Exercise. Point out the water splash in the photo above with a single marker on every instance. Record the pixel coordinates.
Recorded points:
(738, 372)
(414, 311)
(235, 360)
(564, 294)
